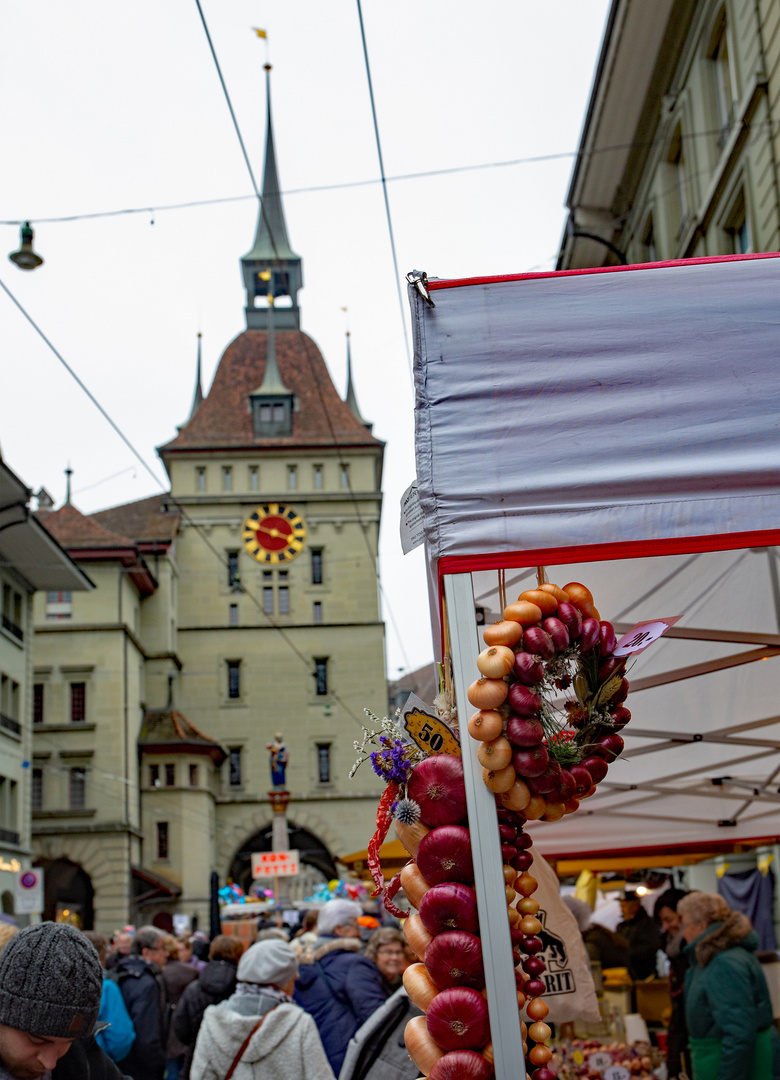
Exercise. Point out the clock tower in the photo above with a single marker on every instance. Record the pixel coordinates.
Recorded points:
(278, 621)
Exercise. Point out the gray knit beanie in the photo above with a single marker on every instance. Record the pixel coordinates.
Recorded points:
(50, 982)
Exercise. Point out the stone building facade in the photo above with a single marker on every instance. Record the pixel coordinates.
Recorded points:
(681, 141)
(241, 604)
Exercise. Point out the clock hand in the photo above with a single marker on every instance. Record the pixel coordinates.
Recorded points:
(275, 533)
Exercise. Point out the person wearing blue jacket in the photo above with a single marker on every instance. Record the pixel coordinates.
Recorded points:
(727, 1005)
(116, 1034)
(340, 988)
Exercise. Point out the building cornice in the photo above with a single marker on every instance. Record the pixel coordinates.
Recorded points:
(88, 628)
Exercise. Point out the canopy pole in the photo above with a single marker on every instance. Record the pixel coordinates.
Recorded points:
(485, 846)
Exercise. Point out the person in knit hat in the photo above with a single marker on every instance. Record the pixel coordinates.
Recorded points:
(259, 1033)
(51, 981)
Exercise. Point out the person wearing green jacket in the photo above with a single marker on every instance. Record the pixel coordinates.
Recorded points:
(727, 1004)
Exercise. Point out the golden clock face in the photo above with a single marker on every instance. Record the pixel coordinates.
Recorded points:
(274, 534)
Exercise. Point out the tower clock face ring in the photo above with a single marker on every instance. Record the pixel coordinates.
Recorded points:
(274, 534)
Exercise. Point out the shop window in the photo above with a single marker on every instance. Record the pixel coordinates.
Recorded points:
(234, 766)
(234, 679)
(162, 839)
(321, 675)
(323, 763)
(77, 789)
(38, 700)
(316, 566)
(78, 702)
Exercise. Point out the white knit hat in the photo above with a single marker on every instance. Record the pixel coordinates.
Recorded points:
(268, 963)
(335, 913)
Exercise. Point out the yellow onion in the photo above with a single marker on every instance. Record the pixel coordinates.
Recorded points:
(410, 835)
(487, 693)
(487, 724)
(496, 754)
(499, 780)
(496, 661)
(419, 987)
(422, 1049)
(413, 884)
(504, 632)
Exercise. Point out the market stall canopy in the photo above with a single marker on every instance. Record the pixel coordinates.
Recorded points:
(625, 423)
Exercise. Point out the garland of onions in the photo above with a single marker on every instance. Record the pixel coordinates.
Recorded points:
(539, 760)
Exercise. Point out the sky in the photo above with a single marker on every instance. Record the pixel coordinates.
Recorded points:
(111, 107)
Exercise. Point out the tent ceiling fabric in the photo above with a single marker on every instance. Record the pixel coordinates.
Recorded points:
(596, 409)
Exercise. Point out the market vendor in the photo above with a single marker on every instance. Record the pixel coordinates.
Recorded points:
(727, 1004)
(642, 935)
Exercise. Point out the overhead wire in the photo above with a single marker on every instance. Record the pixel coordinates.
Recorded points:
(534, 159)
(384, 191)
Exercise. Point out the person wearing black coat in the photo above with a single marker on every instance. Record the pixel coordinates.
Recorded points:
(216, 983)
(86, 1061)
(144, 995)
(642, 935)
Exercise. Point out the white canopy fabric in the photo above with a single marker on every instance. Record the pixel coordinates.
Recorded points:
(622, 428)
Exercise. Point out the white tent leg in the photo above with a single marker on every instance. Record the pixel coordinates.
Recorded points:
(485, 847)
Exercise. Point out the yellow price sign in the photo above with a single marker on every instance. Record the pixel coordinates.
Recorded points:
(430, 733)
(579, 1057)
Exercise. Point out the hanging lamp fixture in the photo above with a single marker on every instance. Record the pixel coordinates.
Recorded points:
(25, 258)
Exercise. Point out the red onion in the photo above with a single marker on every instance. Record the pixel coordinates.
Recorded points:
(607, 639)
(532, 945)
(558, 632)
(436, 784)
(533, 988)
(449, 906)
(461, 1065)
(507, 833)
(566, 786)
(508, 852)
(620, 694)
(516, 935)
(454, 958)
(522, 861)
(571, 619)
(582, 779)
(542, 1074)
(606, 667)
(523, 841)
(457, 1019)
(524, 730)
(523, 700)
(509, 817)
(533, 965)
(610, 745)
(539, 642)
(445, 855)
(527, 669)
(596, 766)
(531, 762)
(548, 781)
(619, 717)
(590, 634)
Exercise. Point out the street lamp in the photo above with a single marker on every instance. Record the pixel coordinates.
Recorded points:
(25, 258)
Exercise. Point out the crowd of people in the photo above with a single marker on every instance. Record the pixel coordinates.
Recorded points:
(326, 1004)
(150, 1007)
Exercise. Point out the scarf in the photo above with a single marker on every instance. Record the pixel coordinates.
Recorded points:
(244, 989)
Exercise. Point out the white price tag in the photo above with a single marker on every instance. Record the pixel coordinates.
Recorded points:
(616, 1072)
(601, 1060)
(643, 634)
(412, 533)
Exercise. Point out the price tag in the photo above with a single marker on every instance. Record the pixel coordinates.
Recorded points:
(643, 634)
(616, 1072)
(430, 732)
(579, 1057)
(601, 1060)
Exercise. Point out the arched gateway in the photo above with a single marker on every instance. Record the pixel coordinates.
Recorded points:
(314, 856)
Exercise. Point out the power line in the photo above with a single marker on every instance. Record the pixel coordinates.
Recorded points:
(536, 159)
(384, 191)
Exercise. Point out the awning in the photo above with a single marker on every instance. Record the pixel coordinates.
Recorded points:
(149, 888)
(393, 856)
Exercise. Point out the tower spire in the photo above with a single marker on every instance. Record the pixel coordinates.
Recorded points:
(68, 474)
(271, 251)
(351, 398)
(197, 397)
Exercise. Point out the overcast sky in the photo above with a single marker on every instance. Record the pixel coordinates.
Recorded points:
(108, 106)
